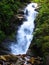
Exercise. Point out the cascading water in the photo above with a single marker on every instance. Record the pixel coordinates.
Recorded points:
(25, 31)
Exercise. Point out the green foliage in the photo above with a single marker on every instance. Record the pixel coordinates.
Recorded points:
(2, 36)
(8, 8)
(41, 33)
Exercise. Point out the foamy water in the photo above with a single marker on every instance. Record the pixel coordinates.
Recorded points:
(25, 31)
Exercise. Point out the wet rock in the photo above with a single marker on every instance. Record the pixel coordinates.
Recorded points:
(47, 59)
(18, 19)
(20, 11)
(19, 16)
(29, 53)
(20, 60)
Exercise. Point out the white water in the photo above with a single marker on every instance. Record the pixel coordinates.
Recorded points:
(25, 31)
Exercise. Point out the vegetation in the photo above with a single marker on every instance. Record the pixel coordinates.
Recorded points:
(8, 8)
(7, 11)
(41, 32)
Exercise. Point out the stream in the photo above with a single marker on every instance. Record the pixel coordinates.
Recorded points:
(25, 31)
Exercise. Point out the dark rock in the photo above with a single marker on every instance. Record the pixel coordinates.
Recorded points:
(20, 11)
(18, 19)
(26, 12)
(29, 53)
(47, 59)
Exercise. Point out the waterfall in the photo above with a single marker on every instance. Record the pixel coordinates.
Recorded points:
(25, 31)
